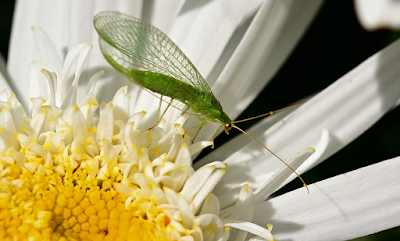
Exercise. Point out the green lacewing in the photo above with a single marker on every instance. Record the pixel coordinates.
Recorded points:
(148, 58)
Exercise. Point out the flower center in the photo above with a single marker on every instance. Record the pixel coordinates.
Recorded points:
(71, 175)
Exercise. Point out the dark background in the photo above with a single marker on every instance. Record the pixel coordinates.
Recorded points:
(334, 44)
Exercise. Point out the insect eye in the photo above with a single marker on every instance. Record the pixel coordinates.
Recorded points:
(227, 128)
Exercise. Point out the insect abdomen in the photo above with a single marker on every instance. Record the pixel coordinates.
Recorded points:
(167, 86)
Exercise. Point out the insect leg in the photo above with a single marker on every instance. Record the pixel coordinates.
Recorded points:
(158, 112)
(165, 111)
(215, 135)
(185, 110)
(203, 123)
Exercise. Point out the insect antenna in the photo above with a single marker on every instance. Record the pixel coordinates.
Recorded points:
(268, 113)
(254, 139)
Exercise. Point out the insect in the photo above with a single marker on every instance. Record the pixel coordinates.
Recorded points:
(148, 58)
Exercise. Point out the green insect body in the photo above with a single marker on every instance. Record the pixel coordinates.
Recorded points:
(199, 101)
(148, 58)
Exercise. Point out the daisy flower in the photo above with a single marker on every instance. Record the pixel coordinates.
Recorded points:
(83, 164)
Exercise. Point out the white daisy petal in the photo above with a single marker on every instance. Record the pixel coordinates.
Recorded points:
(17, 111)
(68, 23)
(47, 50)
(204, 46)
(7, 130)
(3, 70)
(249, 227)
(105, 127)
(331, 206)
(92, 82)
(67, 93)
(278, 179)
(121, 104)
(52, 83)
(378, 14)
(195, 182)
(210, 205)
(198, 146)
(38, 83)
(183, 157)
(4, 95)
(206, 189)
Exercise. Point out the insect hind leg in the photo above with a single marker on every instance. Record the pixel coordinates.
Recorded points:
(157, 120)
(158, 110)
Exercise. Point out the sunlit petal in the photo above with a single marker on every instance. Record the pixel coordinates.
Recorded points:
(344, 207)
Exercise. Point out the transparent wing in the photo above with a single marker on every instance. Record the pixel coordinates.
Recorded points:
(145, 47)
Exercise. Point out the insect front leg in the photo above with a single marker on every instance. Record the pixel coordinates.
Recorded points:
(215, 135)
(203, 123)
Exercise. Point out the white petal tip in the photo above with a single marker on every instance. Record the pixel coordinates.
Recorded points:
(310, 149)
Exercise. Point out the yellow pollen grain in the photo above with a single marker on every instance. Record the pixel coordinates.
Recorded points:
(85, 226)
(100, 205)
(89, 211)
(91, 129)
(84, 203)
(94, 102)
(61, 200)
(82, 218)
(94, 197)
(111, 205)
(103, 214)
(157, 149)
(77, 211)
(58, 210)
(94, 220)
(46, 145)
(73, 220)
(66, 213)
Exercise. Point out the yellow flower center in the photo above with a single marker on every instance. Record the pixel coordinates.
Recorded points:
(68, 178)
(41, 209)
